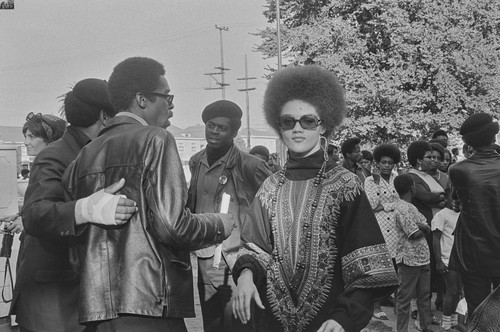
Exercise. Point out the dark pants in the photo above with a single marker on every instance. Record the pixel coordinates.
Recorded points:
(216, 287)
(413, 279)
(477, 288)
(132, 323)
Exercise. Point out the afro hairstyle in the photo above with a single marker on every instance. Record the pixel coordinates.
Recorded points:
(387, 150)
(312, 84)
(403, 183)
(131, 76)
(437, 147)
(348, 145)
(416, 150)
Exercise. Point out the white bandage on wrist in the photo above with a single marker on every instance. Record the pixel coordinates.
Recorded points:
(98, 208)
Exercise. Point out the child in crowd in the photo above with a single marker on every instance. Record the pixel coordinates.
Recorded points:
(443, 225)
(412, 256)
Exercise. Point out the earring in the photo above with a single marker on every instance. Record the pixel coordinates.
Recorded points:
(419, 167)
(324, 147)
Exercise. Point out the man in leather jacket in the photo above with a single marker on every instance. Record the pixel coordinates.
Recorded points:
(137, 276)
(476, 181)
(47, 287)
(218, 169)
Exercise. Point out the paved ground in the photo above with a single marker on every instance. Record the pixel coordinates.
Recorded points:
(196, 325)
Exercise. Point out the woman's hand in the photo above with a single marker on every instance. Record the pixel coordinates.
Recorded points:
(379, 208)
(331, 326)
(246, 291)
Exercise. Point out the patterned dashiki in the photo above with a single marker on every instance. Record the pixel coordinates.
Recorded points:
(316, 252)
(410, 252)
(379, 191)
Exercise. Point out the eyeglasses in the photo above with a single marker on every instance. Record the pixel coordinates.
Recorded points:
(168, 98)
(431, 157)
(307, 122)
(32, 116)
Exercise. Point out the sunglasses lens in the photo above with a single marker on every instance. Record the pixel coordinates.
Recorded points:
(309, 122)
(287, 123)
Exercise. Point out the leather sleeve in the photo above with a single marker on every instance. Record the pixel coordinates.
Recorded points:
(166, 193)
(45, 213)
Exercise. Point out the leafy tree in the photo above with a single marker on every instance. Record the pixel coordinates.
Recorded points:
(408, 67)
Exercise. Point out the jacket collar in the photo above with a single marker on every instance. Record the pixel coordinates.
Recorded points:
(75, 138)
(230, 158)
(133, 116)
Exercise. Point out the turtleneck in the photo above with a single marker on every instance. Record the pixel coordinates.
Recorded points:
(305, 168)
(215, 154)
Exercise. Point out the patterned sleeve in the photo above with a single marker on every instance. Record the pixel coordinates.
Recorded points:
(372, 192)
(367, 268)
(256, 245)
(366, 261)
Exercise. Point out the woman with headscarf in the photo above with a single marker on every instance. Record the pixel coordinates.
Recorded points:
(312, 253)
(39, 131)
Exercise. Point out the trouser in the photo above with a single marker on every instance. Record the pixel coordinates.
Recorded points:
(453, 291)
(477, 288)
(216, 287)
(132, 323)
(413, 279)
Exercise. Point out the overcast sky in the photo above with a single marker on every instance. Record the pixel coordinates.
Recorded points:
(47, 46)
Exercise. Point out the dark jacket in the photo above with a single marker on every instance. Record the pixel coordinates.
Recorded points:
(424, 199)
(142, 267)
(245, 173)
(46, 292)
(476, 181)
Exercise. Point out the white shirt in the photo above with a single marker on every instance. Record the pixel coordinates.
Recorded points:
(445, 221)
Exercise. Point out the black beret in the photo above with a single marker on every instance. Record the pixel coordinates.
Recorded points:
(479, 129)
(83, 105)
(222, 108)
(260, 149)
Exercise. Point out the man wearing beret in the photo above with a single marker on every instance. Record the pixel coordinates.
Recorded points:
(137, 276)
(476, 181)
(47, 287)
(218, 169)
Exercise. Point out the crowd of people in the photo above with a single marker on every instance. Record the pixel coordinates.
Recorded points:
(315, 243)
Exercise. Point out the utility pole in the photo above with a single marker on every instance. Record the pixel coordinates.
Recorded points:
(278, 32)
(246, 89)
(222, 84)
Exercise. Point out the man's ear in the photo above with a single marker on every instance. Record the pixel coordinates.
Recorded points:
(104, 118)
(140, 100)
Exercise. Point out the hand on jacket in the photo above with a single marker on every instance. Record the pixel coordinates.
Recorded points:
(246, 292)
(104, 207)
(229, 224)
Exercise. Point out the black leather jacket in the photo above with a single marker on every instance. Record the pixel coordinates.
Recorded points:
(476, 181)
(142, 267)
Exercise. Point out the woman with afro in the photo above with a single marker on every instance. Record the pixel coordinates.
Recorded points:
(313, 257)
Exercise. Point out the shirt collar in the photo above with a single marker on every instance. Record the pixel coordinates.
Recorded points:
(133, 116)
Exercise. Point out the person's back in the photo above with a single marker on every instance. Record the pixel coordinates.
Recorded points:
(477, 183)
(138, 274)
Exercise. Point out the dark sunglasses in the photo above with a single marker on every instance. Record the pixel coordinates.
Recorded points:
(169, 98)
(307, 122)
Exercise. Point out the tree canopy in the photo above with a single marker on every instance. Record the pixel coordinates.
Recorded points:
(408, 67)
